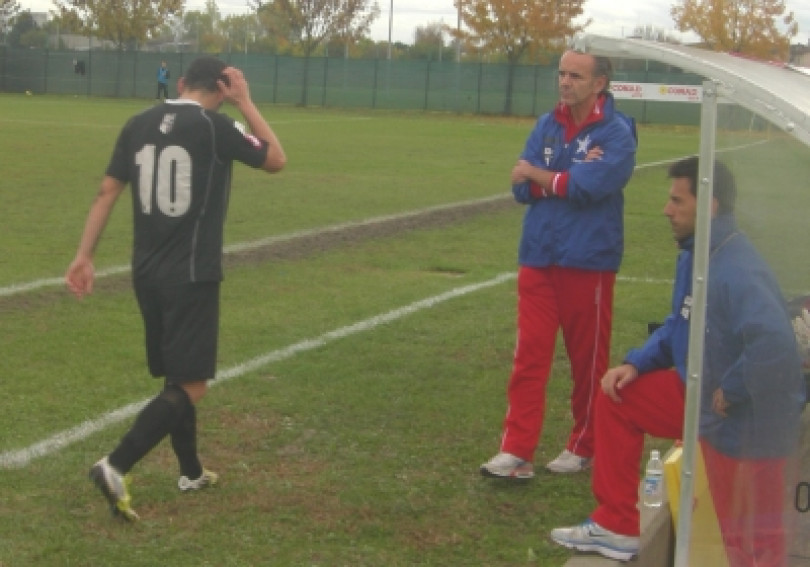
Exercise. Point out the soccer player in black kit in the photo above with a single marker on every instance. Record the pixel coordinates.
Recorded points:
(177, 158)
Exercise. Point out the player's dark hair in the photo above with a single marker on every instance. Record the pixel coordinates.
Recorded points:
(203, 73)
(725, 187)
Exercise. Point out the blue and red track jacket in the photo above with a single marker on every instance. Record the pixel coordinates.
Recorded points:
(750, 350)
(580, 224)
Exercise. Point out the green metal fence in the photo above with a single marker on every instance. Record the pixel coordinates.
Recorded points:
(477, 88)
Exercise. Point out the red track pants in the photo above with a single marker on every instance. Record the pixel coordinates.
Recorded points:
(748, 495)
(749, 498)
(654, 405)
(580, 302)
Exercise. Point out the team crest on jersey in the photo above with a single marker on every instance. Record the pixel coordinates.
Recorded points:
(168, 123)
(582, 144)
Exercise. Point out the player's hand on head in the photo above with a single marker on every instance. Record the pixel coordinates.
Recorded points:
(234, 86)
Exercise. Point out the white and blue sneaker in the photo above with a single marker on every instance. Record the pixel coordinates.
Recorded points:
(507, 465)
(567, 462)
(590, 536)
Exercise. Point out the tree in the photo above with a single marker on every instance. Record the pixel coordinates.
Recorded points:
(653, 33)
(241, 31)
(205, 28)
(26, 33)
(516, 29)
(278, 34)
(8, 9)
(750, 27)
(124, 22)
(307, 24)
(428, 41)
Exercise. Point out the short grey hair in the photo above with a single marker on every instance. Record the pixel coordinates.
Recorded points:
(602, 66)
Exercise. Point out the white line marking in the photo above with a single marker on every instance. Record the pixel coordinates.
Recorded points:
(21, 458)
(15, 289)
(646, 280)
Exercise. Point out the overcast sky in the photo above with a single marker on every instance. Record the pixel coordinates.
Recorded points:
(609, 17)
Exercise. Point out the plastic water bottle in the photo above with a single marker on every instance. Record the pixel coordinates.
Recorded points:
(653, 494)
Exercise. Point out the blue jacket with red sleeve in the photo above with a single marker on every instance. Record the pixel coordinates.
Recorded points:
(750, 350)
(580, 224)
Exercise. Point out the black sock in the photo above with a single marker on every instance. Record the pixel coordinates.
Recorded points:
(184, 443)
(156, 421)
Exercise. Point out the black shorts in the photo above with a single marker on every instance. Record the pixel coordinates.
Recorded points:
(181, 325)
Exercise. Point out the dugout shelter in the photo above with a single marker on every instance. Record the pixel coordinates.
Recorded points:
(755, 117)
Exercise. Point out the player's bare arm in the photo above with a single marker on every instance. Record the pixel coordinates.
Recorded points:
(236, 91)
(81, 274)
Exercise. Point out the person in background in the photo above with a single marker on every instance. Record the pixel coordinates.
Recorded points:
(571, 176)
(752, 393)
(177, 157)
(163, 81)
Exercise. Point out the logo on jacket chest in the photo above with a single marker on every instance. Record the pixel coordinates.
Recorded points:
(686, 307)
(583, 144)
(581, 151)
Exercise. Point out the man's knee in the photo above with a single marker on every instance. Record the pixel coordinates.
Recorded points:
(194, 390)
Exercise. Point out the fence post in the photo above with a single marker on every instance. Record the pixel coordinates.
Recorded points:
(45, 82)
(89, 65)
(325, 80)
(427, 84)
(275, 80)
(374, 87)
(480, 85)
(135, 74)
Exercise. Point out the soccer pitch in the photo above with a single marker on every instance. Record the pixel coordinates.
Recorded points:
(366, 340)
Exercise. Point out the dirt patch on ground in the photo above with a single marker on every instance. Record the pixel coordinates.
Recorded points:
(346, 236)
(299, 246)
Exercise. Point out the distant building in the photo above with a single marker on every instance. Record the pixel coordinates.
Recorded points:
(40, 18)
(800, 55)
(76, 42)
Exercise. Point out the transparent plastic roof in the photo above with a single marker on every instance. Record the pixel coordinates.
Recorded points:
(779, 93)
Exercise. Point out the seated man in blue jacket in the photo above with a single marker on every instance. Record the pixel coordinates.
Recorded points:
(751, 398)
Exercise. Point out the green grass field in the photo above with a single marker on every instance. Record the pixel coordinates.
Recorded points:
(363, 378)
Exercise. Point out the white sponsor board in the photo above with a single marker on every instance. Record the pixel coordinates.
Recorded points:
(657, 91)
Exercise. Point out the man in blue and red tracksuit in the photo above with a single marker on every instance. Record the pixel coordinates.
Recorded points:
(752, 393)
(571, 175)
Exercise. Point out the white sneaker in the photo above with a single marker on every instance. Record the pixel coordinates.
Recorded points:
(114, 486)
(207, 478)
(507, 465)
(568, 462)
(590, 536)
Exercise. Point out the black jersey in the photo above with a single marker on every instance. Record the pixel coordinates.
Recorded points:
(177, 158)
